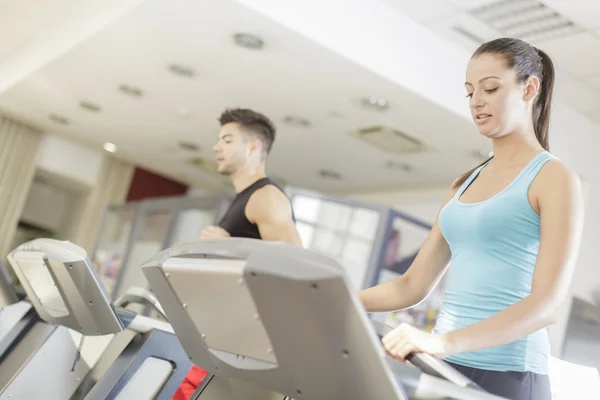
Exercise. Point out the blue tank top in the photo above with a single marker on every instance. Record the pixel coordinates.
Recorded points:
(494, 245)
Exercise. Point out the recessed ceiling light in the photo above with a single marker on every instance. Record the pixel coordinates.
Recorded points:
(131, 90)
(297, 121)
(183, 112)
(110, 147)
(398, 166)
(248, 41)
(181, 70)
(483, 154)
(86, 105)
(188, 146)
(58, 119)
(375, 103)
(330, 174)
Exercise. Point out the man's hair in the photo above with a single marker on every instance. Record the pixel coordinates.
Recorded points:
(252, 121)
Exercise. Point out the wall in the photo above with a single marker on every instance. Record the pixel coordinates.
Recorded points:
(146, 184)
(74, 164)
(48, 206)
(423, 204)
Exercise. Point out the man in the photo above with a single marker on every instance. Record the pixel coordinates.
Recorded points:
(260, 209)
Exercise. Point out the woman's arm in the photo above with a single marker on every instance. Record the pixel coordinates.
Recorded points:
(421, 278)
(560, 203)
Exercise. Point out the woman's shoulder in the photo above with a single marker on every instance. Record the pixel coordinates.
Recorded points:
(554, 172)
(555, 176)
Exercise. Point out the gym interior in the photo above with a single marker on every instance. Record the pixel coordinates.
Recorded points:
(108, 122)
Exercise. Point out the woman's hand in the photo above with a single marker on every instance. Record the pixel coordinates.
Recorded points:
(405, 339)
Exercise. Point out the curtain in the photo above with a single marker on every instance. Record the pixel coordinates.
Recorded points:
(111, 187)
(19, 147)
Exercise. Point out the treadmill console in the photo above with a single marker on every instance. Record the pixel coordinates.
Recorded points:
(63, 286)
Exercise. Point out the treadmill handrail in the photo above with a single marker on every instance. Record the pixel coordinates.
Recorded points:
(141, 296)
(429, 364)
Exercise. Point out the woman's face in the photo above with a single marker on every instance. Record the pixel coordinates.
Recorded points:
(499, 103)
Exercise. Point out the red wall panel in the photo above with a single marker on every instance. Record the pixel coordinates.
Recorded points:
(146, 185)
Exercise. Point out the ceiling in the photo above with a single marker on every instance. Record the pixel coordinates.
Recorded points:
(24, 19)
(290, 76)
(576, 54)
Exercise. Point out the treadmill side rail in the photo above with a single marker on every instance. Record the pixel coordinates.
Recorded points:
(155, 344)
(47, 373)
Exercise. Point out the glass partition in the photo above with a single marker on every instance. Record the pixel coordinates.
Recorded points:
(342, 229)
(113, 243)
(403, 240)
(189, 225)
(151, 231)
(136, 231)
(373, 243)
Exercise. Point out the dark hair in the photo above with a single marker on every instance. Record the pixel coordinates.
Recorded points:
(527, 61)
(254, 122)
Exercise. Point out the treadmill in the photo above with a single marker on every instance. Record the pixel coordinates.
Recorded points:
(67, 295)
(273, 321)
(16, 317)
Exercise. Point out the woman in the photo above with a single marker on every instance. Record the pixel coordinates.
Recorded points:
(510, 230)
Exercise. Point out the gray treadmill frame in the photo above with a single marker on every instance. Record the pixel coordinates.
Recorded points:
(273, 270)
(90, 309)
(302, 281)
(77, 281)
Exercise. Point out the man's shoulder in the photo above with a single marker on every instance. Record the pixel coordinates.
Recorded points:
(269, 194)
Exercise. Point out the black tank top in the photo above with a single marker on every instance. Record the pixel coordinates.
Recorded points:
(235, 222)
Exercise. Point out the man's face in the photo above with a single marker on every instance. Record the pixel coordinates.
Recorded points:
(232, 149)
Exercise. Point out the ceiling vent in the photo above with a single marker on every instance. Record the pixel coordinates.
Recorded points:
(467, 34)
(389, 140)
(201, 163)
(528, 20)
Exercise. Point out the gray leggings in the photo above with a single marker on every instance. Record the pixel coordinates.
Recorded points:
(510, 384)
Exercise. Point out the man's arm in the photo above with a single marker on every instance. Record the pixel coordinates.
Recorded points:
(270, 209)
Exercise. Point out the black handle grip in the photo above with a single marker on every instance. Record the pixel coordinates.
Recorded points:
(430, 364)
